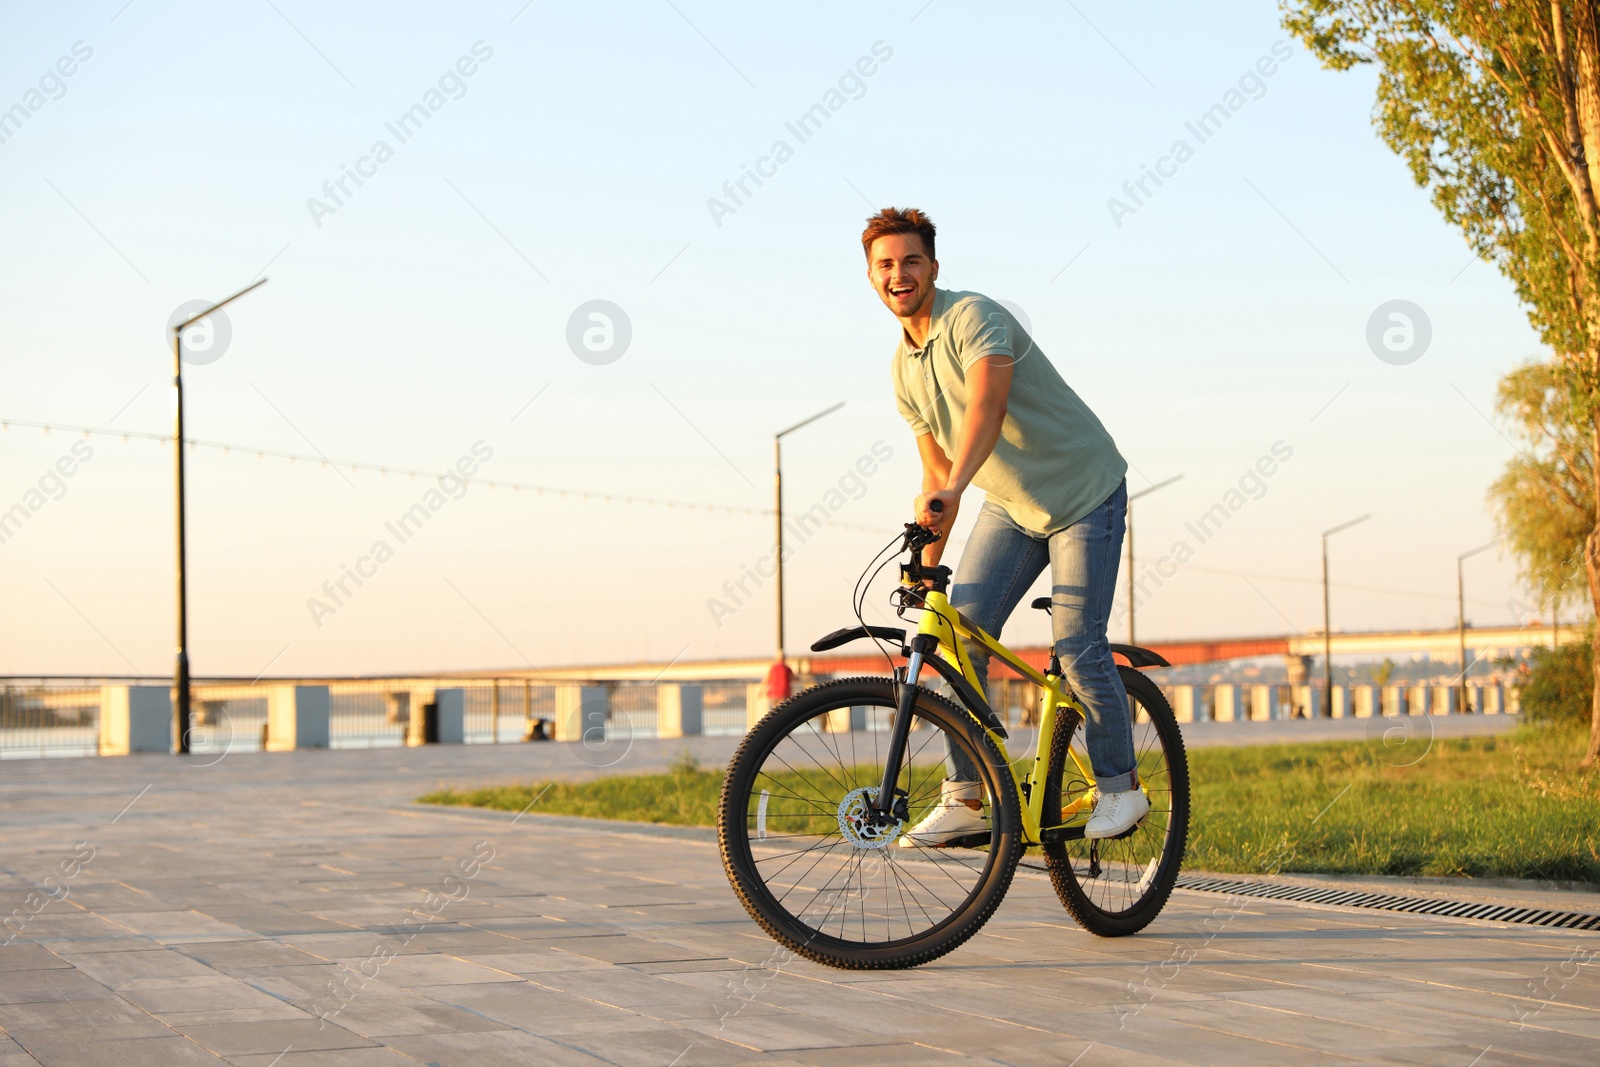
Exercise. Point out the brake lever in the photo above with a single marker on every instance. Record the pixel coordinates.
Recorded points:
(919, 536)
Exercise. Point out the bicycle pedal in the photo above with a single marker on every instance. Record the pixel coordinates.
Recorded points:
(978, 840)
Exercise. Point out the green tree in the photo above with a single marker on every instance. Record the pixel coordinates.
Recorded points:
(1495, 107)
(1556, 689)
(1544, 503)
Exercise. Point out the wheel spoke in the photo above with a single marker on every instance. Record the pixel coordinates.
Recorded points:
(932, 893)
(799, 883)
(837, 780)
(796, 858)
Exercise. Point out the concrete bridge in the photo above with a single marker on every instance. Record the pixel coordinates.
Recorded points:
(1483, 642)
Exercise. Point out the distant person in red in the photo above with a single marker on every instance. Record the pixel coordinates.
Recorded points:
(780, 682)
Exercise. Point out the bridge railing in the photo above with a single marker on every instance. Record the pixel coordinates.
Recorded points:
(55, 717)
(1265, 702)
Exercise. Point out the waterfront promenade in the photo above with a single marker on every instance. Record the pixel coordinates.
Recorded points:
(210, 910)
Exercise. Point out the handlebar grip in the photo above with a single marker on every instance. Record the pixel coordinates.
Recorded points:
(936, 506)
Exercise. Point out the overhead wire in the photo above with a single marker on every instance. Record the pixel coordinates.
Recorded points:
(1336, 585)
(384, 469)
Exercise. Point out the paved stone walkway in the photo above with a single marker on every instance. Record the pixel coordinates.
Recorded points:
(197, 911)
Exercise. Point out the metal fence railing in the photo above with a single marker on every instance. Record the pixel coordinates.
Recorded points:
(367, 715)
(227, 718)
(505, 712)
(631, 710)
(42, 718)
(723, 707)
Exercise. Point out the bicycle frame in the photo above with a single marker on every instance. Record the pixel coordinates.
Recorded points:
(948, 626)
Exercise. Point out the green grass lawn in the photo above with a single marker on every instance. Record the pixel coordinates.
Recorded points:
(1509, 806)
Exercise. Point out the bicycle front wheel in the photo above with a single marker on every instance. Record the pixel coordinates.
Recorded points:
(817, 872)
(1116, 886)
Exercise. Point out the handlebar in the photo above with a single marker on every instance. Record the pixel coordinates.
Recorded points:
(917, 537)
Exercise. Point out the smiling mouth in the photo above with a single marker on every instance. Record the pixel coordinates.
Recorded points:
(902, 290)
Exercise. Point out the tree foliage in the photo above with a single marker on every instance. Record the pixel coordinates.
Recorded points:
(1557, 687)
(1482, 100)
(1495, 107)
(1544, 503)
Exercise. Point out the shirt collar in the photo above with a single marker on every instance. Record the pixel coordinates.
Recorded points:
(935, 325)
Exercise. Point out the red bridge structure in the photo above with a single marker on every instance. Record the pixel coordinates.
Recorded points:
(863, 658)
(1177, 653)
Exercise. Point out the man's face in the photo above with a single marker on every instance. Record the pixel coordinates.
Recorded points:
(902, 273)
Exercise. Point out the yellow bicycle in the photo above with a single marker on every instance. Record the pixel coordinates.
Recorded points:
(816, 801)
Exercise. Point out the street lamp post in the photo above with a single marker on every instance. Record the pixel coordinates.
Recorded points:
(180, 668)
(1327, 623)
(1129, 522)
(777, 491)
(1461, 621)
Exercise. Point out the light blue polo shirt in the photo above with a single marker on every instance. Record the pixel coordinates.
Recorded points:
(1054, 462)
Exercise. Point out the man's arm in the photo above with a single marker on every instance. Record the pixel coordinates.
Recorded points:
(935, 473)
(988, 386)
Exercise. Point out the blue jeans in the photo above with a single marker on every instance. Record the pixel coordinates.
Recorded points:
(1000, 562)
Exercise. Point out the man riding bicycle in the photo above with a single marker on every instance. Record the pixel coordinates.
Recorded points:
(988, 409)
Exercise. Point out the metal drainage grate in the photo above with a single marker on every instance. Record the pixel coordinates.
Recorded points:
(1504, 913)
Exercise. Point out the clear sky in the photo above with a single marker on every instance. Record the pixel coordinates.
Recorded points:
(563, 153)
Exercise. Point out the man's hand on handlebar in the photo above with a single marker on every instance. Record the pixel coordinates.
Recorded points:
(937, 510)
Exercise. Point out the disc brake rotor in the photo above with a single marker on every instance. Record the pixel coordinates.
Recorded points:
(861, 825)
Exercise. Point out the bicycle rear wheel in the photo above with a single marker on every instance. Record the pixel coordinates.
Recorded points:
(827, 883)
(1116, 886)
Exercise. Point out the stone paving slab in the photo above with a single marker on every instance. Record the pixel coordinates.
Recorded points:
(298, 908)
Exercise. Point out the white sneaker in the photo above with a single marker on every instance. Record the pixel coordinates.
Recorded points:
(1116, 813)
(957, 816)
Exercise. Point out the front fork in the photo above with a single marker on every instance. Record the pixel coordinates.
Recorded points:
(883, 804)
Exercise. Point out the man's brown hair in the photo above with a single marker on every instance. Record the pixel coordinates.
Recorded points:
(893, 220)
